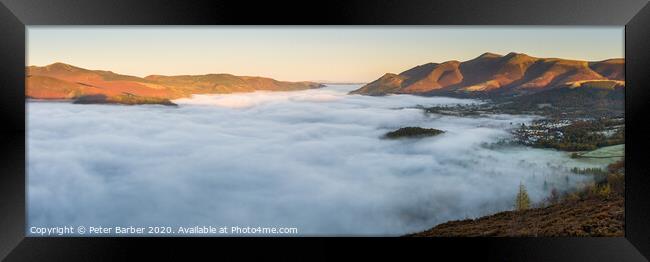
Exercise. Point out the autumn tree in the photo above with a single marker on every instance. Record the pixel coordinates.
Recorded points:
(523, 201)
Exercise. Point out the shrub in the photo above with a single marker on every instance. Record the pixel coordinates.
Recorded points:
(554, 197)
(617, 183)
(604, 190)
(616, 167)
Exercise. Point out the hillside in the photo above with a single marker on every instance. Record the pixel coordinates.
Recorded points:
(581, 99)
(595, 210)
(226, 83)
(597, 216)
(63, 81)
(496, 75)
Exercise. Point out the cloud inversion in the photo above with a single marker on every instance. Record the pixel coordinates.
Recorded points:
(308, 159)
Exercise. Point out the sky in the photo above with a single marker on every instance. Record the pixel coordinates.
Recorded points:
(305, 53)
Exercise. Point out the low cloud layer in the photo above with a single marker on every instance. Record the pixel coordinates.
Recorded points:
(309, 159)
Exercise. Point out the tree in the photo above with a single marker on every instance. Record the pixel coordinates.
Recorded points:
(554, 198)
(523, 201)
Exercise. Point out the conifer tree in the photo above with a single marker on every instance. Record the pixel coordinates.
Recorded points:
(523, 201)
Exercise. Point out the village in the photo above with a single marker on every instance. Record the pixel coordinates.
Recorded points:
(579, 134)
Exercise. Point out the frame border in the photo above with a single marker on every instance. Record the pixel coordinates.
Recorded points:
(15, 15)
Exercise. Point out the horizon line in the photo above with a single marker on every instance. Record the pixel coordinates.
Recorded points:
(320, 81)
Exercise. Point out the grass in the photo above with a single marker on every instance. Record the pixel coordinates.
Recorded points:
(602, 156)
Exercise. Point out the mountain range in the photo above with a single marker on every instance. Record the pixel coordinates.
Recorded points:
(531, 80)
(63, 81)
(497, 75)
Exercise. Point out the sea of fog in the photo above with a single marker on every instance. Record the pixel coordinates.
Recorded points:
(310, 159)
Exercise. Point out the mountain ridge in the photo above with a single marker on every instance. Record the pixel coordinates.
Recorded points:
(494, 74)
(65, 81)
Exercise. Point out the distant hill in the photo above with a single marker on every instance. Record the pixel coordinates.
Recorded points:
(226, 83)
(63, 81)
(496, 75)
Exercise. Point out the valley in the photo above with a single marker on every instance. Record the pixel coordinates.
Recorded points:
(395, 149)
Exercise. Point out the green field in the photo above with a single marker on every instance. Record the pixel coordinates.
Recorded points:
(602, 156)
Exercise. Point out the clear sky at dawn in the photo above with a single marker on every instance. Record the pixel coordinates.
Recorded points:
(317, 53)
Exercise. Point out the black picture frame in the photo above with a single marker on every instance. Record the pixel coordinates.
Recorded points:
(15, 15)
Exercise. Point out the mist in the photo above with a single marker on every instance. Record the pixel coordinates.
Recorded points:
(310, 159)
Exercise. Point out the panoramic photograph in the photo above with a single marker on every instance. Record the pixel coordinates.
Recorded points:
(423, 131)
